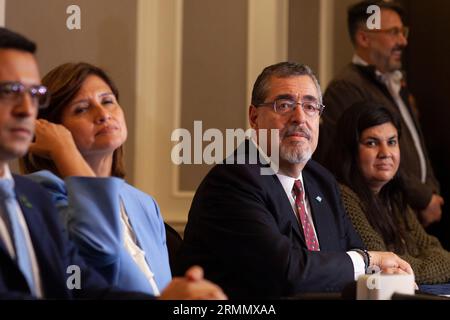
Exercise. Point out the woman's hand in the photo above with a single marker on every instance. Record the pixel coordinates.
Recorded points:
(52, 139)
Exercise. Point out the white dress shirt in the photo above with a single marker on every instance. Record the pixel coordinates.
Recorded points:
(5, 236)
(135, 251)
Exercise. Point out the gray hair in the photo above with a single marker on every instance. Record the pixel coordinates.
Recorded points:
(280, 70)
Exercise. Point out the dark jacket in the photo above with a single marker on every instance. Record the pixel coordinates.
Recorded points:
(358, 83)
(243, 231)
(54, 254)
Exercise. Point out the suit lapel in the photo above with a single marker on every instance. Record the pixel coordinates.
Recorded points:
(278, 193)
(286, 209)
(319, 210)
(370, 73)
(43, 246)
(3, 249)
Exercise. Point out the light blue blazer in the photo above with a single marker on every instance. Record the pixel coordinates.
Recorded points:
(90, 211)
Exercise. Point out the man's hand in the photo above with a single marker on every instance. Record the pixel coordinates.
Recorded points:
(389, 263)
(192, 287)
(433, 212)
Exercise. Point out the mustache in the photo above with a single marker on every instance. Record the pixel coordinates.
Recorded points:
(291, 130)
(398, 48)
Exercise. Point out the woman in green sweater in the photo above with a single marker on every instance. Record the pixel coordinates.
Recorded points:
(365, 158)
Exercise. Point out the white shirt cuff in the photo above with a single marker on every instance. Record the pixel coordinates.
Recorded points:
(359, 266)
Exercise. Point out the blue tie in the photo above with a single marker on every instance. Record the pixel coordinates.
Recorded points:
(8, 205)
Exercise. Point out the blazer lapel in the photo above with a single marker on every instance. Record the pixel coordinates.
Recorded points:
(3, 249)
(44, 249)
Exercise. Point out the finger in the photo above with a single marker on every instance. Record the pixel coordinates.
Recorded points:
(205, 290)
(405, 266)
(400, 271)
(41, 122)
(390, 270)
(194, 273)
(218, 295)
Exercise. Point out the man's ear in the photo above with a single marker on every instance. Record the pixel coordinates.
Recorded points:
(253, 116)
(362, 39)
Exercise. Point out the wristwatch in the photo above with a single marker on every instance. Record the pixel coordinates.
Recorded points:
(366, 257)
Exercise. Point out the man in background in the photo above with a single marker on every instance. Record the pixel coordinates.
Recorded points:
(375, 74)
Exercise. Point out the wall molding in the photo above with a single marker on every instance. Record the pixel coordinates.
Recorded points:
(158, 91)
(158, 67)
(267, 36)
(326, 37)
(2, 12)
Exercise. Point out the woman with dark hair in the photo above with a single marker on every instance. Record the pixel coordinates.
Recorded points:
(77, 157)
(365, 159)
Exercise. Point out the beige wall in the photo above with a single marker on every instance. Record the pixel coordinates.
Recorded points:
(107, 38)
(214, 62)
(343, 49)
(318, 36)
(2, 13)
(303, 40)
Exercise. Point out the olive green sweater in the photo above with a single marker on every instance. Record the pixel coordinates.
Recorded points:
(430, 262)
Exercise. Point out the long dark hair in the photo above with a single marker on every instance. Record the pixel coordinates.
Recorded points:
(63, 83)
(343, 162)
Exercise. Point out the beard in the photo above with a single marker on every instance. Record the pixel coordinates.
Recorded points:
(296, 152)
(385, 62)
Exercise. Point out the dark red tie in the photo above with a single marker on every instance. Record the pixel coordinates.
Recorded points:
(308, 230)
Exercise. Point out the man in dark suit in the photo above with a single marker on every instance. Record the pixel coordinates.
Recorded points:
(36, 258)
(260, 235)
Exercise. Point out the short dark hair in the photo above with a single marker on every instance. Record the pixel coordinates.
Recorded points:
(357, 14)
(12, 40)
(63, 83)
(280, 70)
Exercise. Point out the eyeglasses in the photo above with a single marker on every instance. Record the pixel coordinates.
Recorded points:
(287, 106)
(12, 92)
(393, 32)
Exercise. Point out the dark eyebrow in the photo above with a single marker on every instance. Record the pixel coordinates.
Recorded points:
(78, 102)
(371, 138)
(378, 139)
(104, 94)
(107, 94)
(286, 96)
(309, 98)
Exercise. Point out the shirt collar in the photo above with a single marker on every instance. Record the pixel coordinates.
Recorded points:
(395, 76)
(288, 182)
(6, 173)
(359, 61)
